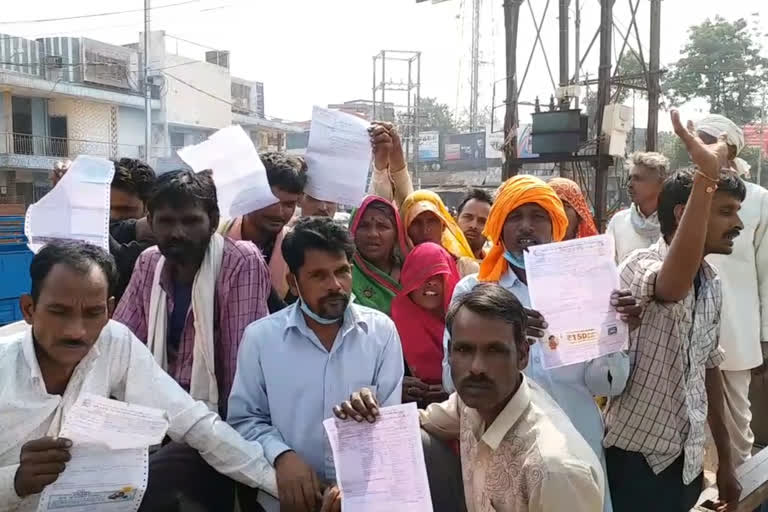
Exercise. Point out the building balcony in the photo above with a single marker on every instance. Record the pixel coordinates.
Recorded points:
(35, 152)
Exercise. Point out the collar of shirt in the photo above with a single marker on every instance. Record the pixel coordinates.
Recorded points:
(352, 320)
(507, 418)
(28, 350)
(509, 281)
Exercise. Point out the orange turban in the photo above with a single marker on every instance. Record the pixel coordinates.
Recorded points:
(511, 195)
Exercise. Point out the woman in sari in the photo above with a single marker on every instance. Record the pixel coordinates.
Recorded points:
(580, 221)
(380, 241)
(428, 278)
(426, 219)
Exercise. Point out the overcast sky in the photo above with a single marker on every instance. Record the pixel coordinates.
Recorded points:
(318, 52)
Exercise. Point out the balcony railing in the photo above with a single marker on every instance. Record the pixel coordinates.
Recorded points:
(59, 147)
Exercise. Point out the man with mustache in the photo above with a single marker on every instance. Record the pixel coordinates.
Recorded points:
(471, 216)
(528, 212)
(70, 348)
(655, 430)
(519, 451)
(744, 277)
(637, 227)
(295, 365)
(191, 297)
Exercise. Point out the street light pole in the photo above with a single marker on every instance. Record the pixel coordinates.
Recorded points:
(147, 89)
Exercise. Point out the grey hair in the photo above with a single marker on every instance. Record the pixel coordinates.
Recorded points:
(651, 160)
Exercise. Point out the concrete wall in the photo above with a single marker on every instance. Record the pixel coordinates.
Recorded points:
(189, 106)
(90, 126)
(130, 131)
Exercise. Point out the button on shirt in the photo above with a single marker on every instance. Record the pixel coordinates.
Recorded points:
(663, 411)
(119, 366)
(287, 383)
(530, 459)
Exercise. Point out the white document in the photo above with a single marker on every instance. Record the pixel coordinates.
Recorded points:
(338, 157)
(570, 284)
(241, 180)
(98, 480)
(380, 466)
(95, 420)
(77, 208)
(110, 462)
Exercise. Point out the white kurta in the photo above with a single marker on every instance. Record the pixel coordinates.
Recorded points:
(744, 277)
(626, 237)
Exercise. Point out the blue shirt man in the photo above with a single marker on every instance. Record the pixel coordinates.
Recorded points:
(295, 365)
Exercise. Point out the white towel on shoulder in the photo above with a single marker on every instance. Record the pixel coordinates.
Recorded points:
(203, 385)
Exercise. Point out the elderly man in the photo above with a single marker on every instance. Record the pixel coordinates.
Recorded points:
(638, 226)
(744, 277)
(528, 212)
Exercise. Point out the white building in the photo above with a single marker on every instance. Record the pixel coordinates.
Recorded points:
(65, 96)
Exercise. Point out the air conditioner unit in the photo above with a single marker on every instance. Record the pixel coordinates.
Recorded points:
(54, 61)
(241, 104)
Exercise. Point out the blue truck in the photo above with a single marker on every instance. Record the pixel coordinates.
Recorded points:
(15, 258)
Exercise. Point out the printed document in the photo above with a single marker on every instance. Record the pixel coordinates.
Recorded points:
(98, 480)
(570, 284)
(380, 466)
(77, 208)
(338, 157)
(96, 420)
(241, 179)
(110, 462)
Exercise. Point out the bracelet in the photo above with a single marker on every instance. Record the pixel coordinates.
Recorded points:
(713, 180)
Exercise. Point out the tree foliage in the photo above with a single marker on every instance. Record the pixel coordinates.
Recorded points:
(721, 63)
(433, 115)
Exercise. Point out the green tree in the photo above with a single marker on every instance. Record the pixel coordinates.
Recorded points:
(630, 73)
(721, 63)
(433, 115)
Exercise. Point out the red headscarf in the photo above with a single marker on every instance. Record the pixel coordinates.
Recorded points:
(569, 192)
(421, 331)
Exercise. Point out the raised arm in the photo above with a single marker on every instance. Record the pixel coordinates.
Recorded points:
(686, 249)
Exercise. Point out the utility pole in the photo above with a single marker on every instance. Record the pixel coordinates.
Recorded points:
(511, 19)
(603, 96)
(654, 88)
(564, 77)
(577, 45)
(147, 89)
(473, 103)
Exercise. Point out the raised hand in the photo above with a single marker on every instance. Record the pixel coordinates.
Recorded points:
(709, 158)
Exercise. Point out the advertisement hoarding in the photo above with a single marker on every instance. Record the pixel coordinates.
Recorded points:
(429, 146)
(464, 151)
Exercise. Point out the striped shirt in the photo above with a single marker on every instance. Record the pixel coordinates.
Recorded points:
(663, 410)
(242, 289)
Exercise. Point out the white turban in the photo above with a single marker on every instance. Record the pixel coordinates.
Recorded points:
(717, 125)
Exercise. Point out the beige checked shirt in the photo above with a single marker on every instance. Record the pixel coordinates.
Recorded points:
(663, 410)
(530, 459)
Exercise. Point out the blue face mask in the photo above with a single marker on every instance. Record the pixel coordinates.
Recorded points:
(314, 316)
(515, 260)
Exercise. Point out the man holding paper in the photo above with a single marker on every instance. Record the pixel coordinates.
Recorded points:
(295, 365)
(655, 431)
(527, 212)
(519, 451)
(191, 297)
(71, 349)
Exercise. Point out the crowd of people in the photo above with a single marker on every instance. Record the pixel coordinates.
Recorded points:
(249, 332)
